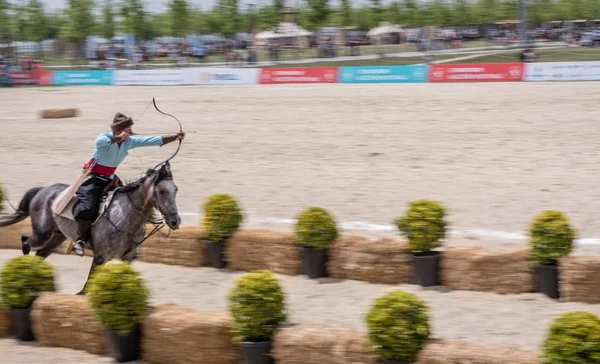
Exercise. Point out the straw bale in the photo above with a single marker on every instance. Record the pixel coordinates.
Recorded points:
(321, 344)
(10, 236)
(181, 335)
(67, 321)
(248, 250)
(448, 352)
(5, 321)
(580, 279)
(59, 113)
(488, 270)
(375, 261)
(181, 247)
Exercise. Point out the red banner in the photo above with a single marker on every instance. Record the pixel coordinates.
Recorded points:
(31, 77)
(298, 75)
(476, 72)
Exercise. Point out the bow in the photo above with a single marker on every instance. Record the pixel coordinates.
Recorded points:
(180, 129)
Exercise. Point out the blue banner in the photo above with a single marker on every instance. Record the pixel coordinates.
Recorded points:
(383, 74)
(82, 78)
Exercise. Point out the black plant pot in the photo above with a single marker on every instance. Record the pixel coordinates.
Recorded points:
(21, 324)
(547, 280)
(392, 361)
(124, 348)
(314, 262)
(426, 268)
(256, 352)
(216, 253)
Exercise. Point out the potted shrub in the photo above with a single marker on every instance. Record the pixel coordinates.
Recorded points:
(257, 305)
(398, 327)
(424, 226)
(574, 337)
(551, 238)
(23, 279)
(316, 230)
(222, 217)
(119, 298)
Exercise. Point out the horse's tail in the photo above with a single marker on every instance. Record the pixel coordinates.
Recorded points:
(23, 211)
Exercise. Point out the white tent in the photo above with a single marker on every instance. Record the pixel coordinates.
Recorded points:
(284, 30)
(385, 32)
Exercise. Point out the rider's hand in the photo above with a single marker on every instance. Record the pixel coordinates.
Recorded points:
(123, 135)
(180, 136)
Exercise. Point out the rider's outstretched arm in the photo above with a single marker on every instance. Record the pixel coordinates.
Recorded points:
(150, 141)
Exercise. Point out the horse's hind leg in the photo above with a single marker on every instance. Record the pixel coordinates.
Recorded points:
(36, 240)
(54, 242)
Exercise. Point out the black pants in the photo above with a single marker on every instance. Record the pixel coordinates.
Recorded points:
(88, 198)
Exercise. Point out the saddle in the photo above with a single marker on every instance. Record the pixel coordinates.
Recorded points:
(104, 203)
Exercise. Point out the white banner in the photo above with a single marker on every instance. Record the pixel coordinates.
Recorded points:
(562, 71)
(157, 77)
(224, 76)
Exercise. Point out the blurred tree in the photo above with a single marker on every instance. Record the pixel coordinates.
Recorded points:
(80, 21)
(108, 25)
(179, 18)
(319, 12)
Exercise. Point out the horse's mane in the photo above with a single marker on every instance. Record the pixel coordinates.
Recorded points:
(163, 173)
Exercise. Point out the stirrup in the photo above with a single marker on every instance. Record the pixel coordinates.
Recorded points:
(82, 243)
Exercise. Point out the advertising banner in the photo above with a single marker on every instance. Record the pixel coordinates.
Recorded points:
(82, 78)
(383, 74)
(223, 76)
(562, 71)
(476, 72)
(298, 75)
(158, 77)
(31, 77)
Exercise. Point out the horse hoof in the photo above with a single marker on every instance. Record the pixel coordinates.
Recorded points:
(26, 248)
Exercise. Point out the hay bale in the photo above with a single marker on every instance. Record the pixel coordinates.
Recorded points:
(5, 321)
(59, 113)
(580, 279)
(10, 236)
(320, 344)
(447, 352)
(488, 270)
(376, 261)
(67, 321)
(181, 247)
(181, 335)
(248, 250)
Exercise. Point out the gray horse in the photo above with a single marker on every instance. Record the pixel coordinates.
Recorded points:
(117, 232)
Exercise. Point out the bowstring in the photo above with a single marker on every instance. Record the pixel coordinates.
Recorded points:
(133, 150)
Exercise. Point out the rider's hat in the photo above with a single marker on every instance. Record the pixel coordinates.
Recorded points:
(120, 122)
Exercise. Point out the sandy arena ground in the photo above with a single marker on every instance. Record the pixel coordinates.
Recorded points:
(494, 154)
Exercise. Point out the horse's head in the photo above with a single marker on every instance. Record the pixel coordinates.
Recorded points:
(165, 192)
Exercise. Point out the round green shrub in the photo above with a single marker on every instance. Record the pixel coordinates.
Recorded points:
(574, 338)
(222, 217)
(23, 279)
(398, 326)
(424, 225)
(316, 228)
(118, 295)
(551, 237)
(257, 306)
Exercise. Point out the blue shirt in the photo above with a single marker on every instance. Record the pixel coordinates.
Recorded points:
(111, 155)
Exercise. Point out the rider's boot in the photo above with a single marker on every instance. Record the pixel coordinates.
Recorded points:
(82, 235)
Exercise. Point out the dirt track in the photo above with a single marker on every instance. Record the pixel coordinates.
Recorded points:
(495, 154)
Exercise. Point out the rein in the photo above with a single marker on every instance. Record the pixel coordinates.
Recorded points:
(157, 225)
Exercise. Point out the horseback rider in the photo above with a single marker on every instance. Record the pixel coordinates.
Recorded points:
(111, 150)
